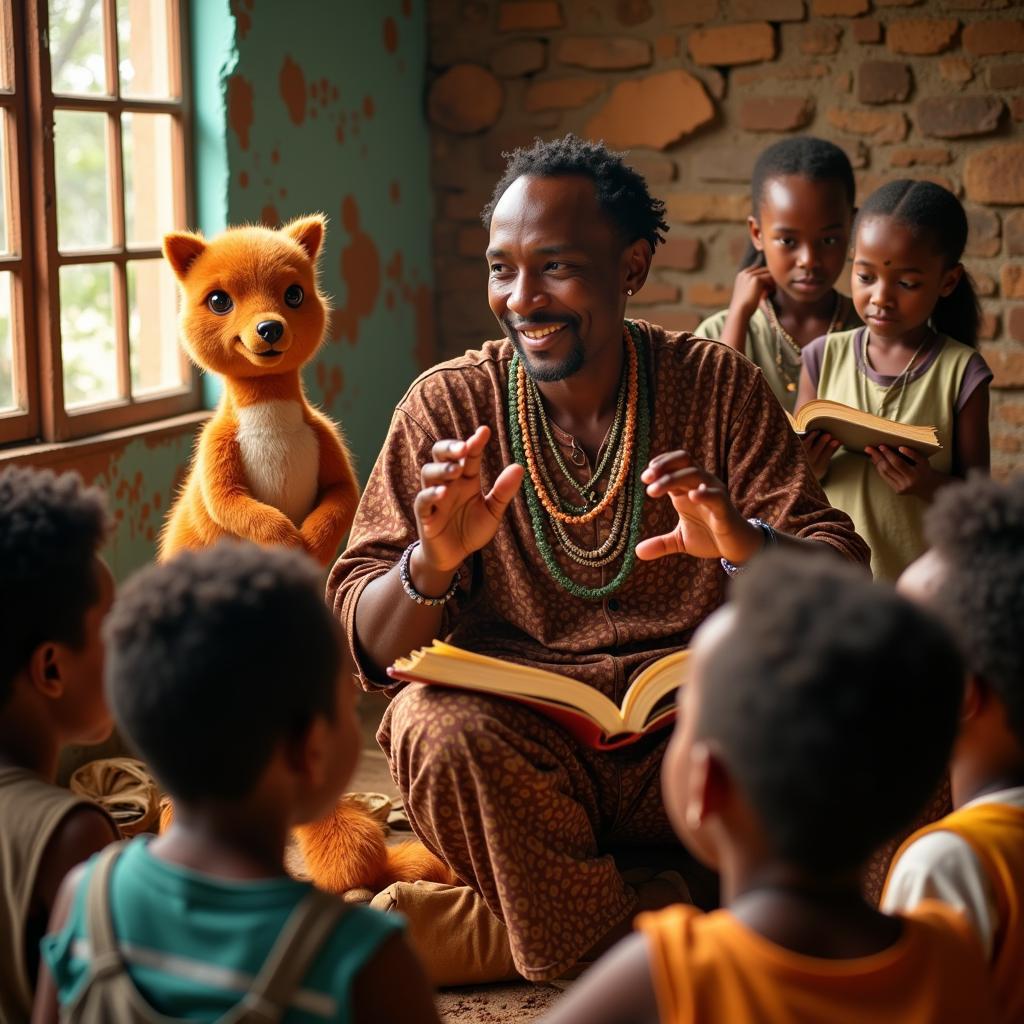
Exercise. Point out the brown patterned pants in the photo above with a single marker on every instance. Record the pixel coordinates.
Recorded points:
(525, 815)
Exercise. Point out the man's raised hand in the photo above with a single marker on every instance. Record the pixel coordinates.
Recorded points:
(709, 524)
(453, 515)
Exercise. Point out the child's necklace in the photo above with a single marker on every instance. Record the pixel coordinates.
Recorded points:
(781, 332)
(901, 379)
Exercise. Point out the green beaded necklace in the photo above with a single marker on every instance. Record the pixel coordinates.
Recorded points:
(641, 454)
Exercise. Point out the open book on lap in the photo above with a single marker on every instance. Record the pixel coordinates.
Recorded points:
(580, 709)
(856, 429)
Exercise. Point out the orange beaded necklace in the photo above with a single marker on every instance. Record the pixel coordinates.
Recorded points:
(618, 480)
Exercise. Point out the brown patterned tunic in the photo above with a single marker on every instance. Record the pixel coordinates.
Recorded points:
(518, 810)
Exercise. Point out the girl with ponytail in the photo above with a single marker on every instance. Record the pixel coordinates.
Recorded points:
(914, 361)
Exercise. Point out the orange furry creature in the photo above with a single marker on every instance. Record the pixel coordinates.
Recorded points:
(268, 468)
(346, 850)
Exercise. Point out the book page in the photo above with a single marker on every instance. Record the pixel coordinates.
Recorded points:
(443, 663)
(664, 676)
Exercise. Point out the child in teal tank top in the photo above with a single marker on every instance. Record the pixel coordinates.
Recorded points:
(914, 361)
(225, 669)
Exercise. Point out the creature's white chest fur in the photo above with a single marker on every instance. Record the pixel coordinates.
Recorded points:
(281, 456)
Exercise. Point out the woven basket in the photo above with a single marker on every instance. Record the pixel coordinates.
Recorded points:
(123, 788)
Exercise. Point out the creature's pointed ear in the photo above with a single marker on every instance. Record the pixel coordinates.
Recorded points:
(182, 248)
(308, 232)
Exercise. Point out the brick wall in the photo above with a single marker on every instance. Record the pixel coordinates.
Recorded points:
(695, 89)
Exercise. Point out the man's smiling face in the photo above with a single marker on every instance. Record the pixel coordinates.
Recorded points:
(556, 262)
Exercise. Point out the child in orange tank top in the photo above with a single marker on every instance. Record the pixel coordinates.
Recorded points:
(783, 775)
(973, 859)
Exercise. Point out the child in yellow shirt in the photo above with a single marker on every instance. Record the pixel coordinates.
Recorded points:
(818, 721)
(973, 859)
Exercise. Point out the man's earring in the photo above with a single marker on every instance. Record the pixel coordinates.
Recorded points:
(629, 291)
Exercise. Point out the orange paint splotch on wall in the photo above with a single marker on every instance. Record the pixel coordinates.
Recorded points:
(275, 156)
(339, 133)
(240, 108)
(390, 34)
(243, 179)
(292, 83)
(242, 18)
(425, 348)
(394, 267)
(270, 216)
(368, 107)
(334, 93)
(395, 192)
(282, 192)
(331, 382)
(360, 270)
(407, 8)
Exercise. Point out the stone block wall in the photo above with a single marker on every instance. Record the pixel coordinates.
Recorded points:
(695, 89)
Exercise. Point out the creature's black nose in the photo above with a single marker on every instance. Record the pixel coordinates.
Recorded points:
(270, 330)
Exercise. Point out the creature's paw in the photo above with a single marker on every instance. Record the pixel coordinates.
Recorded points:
(277, 531)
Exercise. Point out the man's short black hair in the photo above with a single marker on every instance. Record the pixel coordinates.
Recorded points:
(977, 528)
(215, 657)
(835, 702)
(621, 191)
(51, 528)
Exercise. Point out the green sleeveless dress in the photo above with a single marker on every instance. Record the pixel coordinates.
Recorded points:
(891, 523)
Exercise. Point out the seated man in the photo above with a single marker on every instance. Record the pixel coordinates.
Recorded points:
(505, 513)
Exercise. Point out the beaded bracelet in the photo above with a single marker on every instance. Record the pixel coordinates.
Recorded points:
(410, 589)
(769, 541)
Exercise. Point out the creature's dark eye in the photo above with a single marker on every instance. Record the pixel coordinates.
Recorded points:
(293, 296)
(220, 302)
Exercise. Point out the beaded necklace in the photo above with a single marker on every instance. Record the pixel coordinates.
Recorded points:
(794, 347)
(627, 468)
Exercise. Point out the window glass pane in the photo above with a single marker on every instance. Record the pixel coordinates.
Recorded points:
(6, 345)
(88, 347)
(149, 178)
(6, 137)
(152, 327)
(6, 51)
(83, 202)
(143, 47)
(77, 63)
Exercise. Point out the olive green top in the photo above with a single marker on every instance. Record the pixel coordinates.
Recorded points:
(891, 523)
(779, 361)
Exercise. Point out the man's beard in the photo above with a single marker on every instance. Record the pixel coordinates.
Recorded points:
(548, 373)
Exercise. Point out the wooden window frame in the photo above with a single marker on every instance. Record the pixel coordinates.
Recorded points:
(40, 368)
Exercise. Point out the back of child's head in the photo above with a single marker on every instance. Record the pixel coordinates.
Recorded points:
(51, 530)
(934, 214)
(977, 529)
(834, 703)
(214, 659)
(803, 156)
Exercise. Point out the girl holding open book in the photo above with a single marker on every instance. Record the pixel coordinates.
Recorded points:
(914, 362)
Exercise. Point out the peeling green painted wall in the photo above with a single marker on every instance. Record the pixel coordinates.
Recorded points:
(324, 108)
(297, 107)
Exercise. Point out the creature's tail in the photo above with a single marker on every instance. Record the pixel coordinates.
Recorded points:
(412, 862)
(346, 850)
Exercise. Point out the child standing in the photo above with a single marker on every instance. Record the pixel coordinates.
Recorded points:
(974, 858)
(226, 671)
(784, 295)
(914, 361)
(783, 775)
(55, 591)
